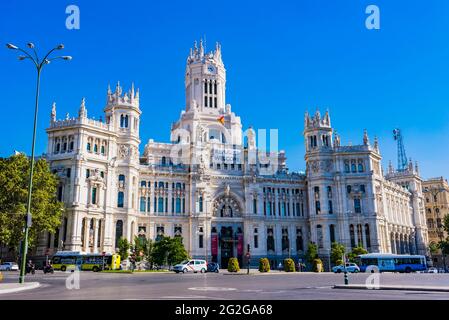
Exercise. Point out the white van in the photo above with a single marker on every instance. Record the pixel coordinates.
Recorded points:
(191, 265)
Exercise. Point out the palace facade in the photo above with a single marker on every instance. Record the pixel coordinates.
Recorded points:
(218, 189)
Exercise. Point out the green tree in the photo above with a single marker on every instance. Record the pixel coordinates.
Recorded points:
(169, 251)
(337, 252)
(139, 247)
(312, 252)
(148, 252)
(355, 252)
(45, 209)
(123, 248)
(433, 248)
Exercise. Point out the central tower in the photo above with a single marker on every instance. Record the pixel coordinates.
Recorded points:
(205, 80)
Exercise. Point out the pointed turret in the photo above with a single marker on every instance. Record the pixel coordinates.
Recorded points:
(376, 144)
(327, 119)
(53, 112)
(201, 48)
(83, 111)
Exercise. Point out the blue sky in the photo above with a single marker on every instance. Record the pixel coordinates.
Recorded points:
(282, 58)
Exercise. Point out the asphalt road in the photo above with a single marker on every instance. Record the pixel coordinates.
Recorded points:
(295, 286)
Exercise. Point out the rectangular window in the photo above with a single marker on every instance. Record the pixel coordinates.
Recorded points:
(60, 193)
(69, 172)
(256, 241)
(205, 101)
(317, 207)
(255, 206)
(200, 241)
(357, 206)
(120, 199)
(264, 208)
(331, 210)
(94, 195)
(87, 173)
(142, 204)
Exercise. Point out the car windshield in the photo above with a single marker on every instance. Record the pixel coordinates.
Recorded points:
(184, 262)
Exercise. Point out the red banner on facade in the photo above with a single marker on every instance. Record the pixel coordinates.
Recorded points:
(214, 244)
(240, 245)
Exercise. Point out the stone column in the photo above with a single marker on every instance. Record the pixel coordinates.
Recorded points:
(95, 235)
(85, 245)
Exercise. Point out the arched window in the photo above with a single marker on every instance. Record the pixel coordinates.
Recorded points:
(319, 235)
(332, 233)
(143, 184)
(103, 150)
(367, 236)
(360, 167)
(88, 146)
(353, 167)
(118, 232)
(95, 148)
(120, 199)
(347, 169)
(142, 204)
(352, 235)
(71, 145)
(121, 178)
(164, 161)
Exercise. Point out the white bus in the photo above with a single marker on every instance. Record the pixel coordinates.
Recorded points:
(392, 262)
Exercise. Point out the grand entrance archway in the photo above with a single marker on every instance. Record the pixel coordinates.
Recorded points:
(227, 228)
(227, 242)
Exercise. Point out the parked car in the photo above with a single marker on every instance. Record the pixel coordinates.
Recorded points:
(350, 267)
(191, 266)
(432, 270)
(9, 266)
(213, 267)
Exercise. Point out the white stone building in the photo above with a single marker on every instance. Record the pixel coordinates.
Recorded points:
(215, 187)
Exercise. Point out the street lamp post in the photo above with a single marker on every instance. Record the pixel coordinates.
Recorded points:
(39, 64)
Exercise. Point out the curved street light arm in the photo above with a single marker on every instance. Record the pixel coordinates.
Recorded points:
(45, 58)
(36, 62)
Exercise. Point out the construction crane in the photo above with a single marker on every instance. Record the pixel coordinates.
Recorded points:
(402, 158)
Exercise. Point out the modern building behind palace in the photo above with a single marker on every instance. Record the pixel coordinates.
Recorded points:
(213, 187)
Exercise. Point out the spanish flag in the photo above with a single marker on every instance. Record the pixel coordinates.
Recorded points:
(221, 120)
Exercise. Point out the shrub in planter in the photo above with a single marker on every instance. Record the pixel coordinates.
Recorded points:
(317, 265)
(233, 265)
(264, 265)
(289, 265)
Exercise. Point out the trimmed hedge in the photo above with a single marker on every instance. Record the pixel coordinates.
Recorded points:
(317, 265)
(264, 265)
(339, 262)
(233, 265)
(289, 265)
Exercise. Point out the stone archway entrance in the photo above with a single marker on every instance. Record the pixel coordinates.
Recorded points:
(227, 229)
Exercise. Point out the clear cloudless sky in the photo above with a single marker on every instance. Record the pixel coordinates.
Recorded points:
(282, 58)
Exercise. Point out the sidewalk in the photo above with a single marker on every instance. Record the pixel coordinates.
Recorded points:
(271, 272)
(17, 287)
(392, 287)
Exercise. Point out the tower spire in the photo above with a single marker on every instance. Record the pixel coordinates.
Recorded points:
(53, 112)
(82, 111)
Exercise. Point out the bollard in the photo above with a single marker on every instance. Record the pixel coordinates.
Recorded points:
(346, 278)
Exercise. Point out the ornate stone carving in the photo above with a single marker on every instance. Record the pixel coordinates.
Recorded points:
(123, 151)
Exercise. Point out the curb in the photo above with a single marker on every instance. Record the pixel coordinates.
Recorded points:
(392, 287)
(19, 287)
